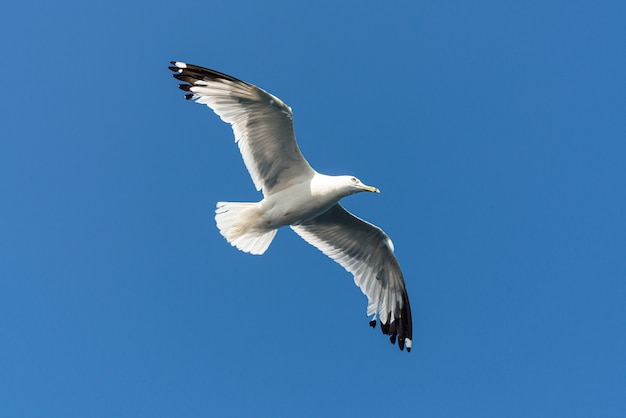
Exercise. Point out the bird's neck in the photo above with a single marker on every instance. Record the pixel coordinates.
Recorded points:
(330, 186)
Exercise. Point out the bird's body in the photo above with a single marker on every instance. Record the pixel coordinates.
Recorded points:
(301, 201)
(295, 195)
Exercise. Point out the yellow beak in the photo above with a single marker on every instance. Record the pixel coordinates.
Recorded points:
(371, 189)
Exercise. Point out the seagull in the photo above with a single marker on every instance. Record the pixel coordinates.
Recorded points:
(296, 195)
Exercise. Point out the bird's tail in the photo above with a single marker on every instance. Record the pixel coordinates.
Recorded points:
(235, 221)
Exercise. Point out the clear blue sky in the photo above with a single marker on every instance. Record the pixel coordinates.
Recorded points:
(495, 130)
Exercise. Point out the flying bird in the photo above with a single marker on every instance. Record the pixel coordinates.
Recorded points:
(296, 195)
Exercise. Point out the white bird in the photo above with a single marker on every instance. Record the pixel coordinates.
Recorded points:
(295, 194)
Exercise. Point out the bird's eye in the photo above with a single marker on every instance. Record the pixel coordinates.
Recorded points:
(353, 179)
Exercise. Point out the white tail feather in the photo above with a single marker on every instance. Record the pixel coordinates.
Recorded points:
(235, 221)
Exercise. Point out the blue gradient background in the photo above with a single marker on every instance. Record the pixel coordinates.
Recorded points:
(495, 130)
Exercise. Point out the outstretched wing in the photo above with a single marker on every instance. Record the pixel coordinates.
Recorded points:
(262, 123)
(367, 252)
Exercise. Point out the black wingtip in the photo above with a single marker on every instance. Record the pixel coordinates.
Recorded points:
(373, 323)
(400, 328)
(174, 67)
(384, 327)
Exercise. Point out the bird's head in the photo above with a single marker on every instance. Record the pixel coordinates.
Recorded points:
(353, 185)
